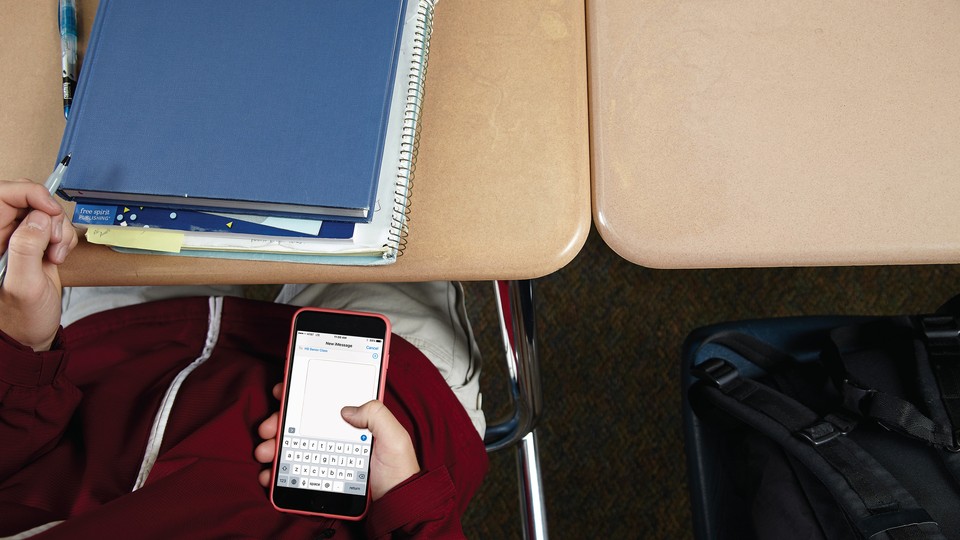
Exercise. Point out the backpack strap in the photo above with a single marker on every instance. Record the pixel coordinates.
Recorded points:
(874, 361)
(771, 360)
(898, 415)
(941, 334)
(870, 496)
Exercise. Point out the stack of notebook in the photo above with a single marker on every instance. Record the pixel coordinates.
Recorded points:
(281, 131)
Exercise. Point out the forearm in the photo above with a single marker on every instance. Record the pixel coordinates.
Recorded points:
(36, 402)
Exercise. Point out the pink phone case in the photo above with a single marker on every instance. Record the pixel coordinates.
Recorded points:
(286, 375)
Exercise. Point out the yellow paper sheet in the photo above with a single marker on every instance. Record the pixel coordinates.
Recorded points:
(136, 238)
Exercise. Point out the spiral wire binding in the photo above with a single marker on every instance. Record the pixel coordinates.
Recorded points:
(410, 138)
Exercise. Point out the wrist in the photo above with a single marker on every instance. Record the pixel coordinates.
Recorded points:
(388, 481)
(44, 345)
(20, 365)
(41, 344)
(398, 485)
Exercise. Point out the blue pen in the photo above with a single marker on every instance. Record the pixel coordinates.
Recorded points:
(68, 51)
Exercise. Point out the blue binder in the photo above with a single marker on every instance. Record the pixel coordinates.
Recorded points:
(240, 106)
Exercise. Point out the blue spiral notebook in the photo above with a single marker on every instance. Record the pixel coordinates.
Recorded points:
(180, 232)
(256, 107)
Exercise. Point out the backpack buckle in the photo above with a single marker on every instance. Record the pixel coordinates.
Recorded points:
(716, 371)
(941, 334)
(821, 432)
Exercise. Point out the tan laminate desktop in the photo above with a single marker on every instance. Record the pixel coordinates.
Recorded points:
(502, 181)
(776, 132)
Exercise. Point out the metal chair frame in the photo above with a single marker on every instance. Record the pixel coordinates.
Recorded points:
(515, 304)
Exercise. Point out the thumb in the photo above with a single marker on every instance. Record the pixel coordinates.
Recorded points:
(25, 251)
(376, 417)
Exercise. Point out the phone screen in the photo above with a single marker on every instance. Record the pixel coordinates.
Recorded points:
(319, 452)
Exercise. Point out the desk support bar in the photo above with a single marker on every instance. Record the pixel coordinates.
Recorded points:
(517, 326)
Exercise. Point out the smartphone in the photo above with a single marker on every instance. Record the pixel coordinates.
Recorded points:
(322, 465)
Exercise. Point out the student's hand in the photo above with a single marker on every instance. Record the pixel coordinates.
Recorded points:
(38, 237)
(393, 460)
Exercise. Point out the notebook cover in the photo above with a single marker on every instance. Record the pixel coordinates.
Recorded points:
(264, 107)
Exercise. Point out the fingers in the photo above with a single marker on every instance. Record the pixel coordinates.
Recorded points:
(268, 428)
(37, 235)
(265, 478)
(265, 451)
(25, 252)
(19, 198)
(63, 238)
(22, 194)
(376, 417)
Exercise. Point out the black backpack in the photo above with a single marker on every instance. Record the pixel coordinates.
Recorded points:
(854, 435)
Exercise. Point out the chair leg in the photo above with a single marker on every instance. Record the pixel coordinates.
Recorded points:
(516, 307)
(532, 509)
(517, 327)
